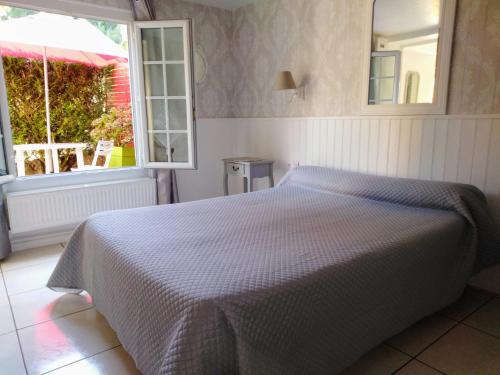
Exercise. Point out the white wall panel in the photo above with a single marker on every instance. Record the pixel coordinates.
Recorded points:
(451, 148)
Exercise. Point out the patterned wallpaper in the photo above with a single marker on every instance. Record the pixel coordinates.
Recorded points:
(475, 73)
(212, 40)
(321, 42)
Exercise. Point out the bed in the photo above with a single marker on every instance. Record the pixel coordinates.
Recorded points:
(300, 279)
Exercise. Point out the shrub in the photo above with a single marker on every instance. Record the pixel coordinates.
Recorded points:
(114, 125)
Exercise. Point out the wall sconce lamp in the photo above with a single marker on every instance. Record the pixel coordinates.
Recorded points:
(285, 81)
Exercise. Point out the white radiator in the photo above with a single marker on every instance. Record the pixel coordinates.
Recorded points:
(48, 209)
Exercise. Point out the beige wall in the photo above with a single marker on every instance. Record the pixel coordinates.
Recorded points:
(475, 75)
(321, 42)
(212, 38)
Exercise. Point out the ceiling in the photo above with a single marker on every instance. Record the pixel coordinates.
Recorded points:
(403, 16)
(224, 4)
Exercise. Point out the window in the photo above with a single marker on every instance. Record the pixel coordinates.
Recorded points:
(384, 73)
(164, 51)
(69, 93)
(68, 90)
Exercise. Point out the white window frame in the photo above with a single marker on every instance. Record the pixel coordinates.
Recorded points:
(83, 10)
(6, 136)
(397, 68)
(190, 99)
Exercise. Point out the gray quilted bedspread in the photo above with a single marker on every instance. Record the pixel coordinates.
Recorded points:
(300, 279)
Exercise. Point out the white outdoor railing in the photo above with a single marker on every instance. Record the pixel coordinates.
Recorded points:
(51, 155)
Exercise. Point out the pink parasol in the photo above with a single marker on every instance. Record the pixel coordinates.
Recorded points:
(63, 38)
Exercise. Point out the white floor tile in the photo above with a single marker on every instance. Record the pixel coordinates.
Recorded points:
(32, 257)
(111, 362)
(28, 278)
(417, 368)
(488, 279)
(6, 321)
(379, 361)
(487, 318)
(42, 305)
(11, 360)
(416, 338)
(470, 301)
(464, 351)
(3, 293)
(54, 344)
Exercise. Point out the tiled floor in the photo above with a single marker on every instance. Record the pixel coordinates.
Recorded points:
(463, 339)
(43, 332)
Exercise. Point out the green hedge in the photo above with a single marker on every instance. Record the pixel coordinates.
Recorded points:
(78, 95)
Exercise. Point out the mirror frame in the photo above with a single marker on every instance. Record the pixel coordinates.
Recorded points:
(445, 45)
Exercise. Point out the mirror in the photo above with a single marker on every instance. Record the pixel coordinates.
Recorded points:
(410, 50)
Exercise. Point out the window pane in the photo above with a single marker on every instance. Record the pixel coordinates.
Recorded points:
(382, 66)
(381, 91)
(176, 85)
(153, 80)
(155, 109)
(151, 44)
(158, 146)
(174, 45)
(179, 144)
(386, 89)
(177, 119)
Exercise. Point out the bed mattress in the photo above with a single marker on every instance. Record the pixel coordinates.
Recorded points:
(300, 279)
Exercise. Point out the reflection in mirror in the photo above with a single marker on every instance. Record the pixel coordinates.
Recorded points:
(404, 51)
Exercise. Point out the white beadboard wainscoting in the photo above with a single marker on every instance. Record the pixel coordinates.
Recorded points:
(216, 139)
(46, 216)
(442, 148)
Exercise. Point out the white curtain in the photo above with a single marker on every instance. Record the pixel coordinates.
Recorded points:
(5, 248)
(166, 182)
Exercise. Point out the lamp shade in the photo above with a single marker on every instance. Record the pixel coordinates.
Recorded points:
(285, 81)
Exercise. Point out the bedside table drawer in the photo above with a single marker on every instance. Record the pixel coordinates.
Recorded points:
(236, 169)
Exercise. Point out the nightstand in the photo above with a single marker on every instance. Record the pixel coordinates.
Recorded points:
(248, 168)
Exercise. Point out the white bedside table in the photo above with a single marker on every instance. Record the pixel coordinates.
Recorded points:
(248, 168)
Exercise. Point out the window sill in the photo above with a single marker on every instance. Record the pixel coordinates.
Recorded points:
(6, 179)
(75, 178)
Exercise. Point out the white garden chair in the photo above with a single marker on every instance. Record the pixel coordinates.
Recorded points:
(103, 148)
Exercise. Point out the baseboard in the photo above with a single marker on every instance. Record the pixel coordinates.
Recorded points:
(30, 240)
